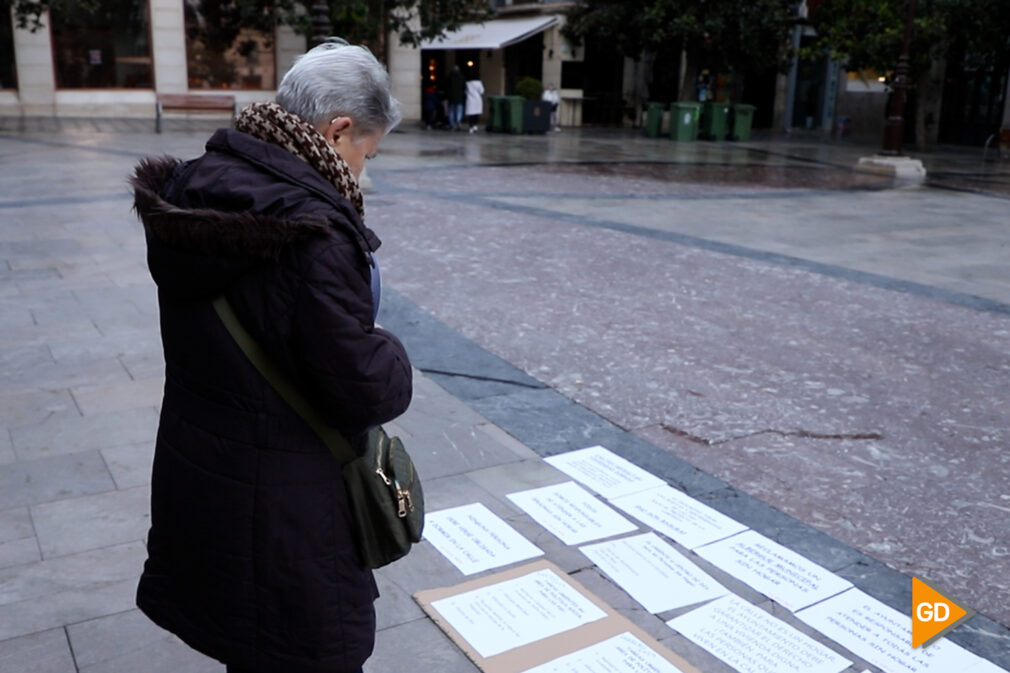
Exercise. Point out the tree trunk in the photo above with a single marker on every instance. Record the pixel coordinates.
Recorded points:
(921, 104)
(688, 71)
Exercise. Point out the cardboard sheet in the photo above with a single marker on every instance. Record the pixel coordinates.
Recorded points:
(525, 657)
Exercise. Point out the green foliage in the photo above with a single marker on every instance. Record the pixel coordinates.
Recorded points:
(726, 33)
(868, 33)
(529, 88)
(359, 21)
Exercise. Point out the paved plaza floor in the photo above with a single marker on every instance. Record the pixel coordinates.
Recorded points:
(821, 354)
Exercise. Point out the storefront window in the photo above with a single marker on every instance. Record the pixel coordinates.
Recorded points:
(102, 45)
(8, 73)
(223, 52)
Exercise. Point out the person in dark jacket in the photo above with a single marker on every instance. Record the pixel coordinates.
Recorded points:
(457, 97)
(250, 554)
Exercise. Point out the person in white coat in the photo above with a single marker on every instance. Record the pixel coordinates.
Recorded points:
(474, 103)
(551, 97)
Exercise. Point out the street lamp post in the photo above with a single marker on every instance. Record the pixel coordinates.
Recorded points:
(890, 161)
(894, 129)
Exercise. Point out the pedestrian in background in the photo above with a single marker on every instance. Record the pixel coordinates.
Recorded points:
(457, 97)
(474, 102)
(551, 97)
(251, 558)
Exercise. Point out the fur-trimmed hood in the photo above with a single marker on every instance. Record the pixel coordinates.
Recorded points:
(241, 204)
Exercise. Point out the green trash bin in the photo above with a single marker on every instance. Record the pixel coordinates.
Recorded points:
(653, 119)
(496, 122)
(714, 119)
(512, 118)
(684, 120)
(743, 115)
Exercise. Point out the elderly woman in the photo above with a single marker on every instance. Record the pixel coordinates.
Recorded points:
(250, 553)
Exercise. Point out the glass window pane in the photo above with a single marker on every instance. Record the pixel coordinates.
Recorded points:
(8, 71)
(222, 52)
(103, 44)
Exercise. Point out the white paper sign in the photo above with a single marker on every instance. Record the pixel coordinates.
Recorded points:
(653, 572)
(752, 641)
(499, 617)
(474, 539)
(779, 573)
(623, 653)
(571, 513)
(604, 471)
(883, 636)
(679, 516)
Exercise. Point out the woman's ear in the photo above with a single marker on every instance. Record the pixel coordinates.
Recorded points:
(337, 127)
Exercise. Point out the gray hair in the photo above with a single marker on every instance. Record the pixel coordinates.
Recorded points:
(336, 79)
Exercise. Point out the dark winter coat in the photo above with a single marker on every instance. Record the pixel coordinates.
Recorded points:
(251, 559)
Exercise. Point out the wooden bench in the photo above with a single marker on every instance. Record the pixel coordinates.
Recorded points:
(185, 101)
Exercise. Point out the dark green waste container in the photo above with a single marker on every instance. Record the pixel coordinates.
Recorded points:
(512, 118)
(684, 120)
(496, 108)
(743, 116)
(654, 119)
(714, 120)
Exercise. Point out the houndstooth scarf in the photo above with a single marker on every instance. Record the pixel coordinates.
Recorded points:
(273, 124)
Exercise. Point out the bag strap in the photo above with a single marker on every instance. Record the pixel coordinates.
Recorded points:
(334, 441)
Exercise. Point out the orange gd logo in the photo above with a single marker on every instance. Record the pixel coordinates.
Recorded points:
(933, 614)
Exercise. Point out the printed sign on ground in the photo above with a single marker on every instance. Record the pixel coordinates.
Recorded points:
(516, 612)
(653, 572)
(571, 513)
(753, 641)
(779, 573)
(679, 516)
(605, 472)
(623, 653)
(883, 636)
(474, 539)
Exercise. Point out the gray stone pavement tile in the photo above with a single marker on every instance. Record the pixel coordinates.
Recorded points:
(147, 365)
(501, 480)
(17, 538)
(543, 419)
(54, 478)
(169, 655)
(601, 587)
(126, 346)
(6, 446)
(119, 396)
(35, 406)
(130, 464)
(92, 522)
(69, 589)
(50, 375)
(85, 433)
(34, 334)
(461, 489)
(42, 652)
(395, 606)
(129, 642)
(417, 646)
(19, 552)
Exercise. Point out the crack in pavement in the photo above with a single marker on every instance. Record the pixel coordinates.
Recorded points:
(806, 434)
